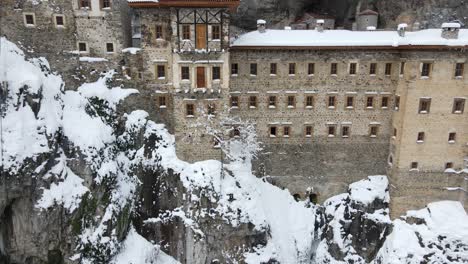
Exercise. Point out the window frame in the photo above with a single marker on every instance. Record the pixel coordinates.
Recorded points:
(234, 69)
(79, 43)
(331, 99)
(426, 71)
(370, 99)
(458, 102)
(211, 109)
(253, 102)
(160, 68)
(388, 69)
(107, 47)
(347, 129)
(25, 19)
(81, 6)
(308, 131)
(311, 69)
(216, 72)
(424, 102)
(452, 138)
(385, 99)
(253, 69)
(309, 101)
(159, 32)
(292, 69)
(352, 68)
(185, 72)
(189, 110)
(234, 101)
(286, 131)
(291, 101)
(186, 32)
(162, 101)
(215, 32)
(421, 137)
(101, 2)
(373, 69)
(372, 133)
(273, 69)
(334, 68)
(56, 22)
(270, 105)
(459, 70)
(273, 129)
(331, 128)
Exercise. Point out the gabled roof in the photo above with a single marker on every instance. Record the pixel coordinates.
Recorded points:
(342, 39)
(183, 3)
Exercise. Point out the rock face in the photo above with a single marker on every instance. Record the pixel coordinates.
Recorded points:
(281, 12)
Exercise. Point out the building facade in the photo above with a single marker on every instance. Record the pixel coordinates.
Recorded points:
(329, 106)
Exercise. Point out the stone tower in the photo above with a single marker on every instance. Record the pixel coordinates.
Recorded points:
(365, 19)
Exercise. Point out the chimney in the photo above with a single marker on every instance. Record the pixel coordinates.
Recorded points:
(450, 30)
(402, 29)
(416, 26)
(261, 25)
(319, 25)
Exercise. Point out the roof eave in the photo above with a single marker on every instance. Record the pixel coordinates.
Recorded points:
(230, 4)
(401, 47)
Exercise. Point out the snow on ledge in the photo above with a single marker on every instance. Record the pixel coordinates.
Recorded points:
(368, 190)
(131, 50)
(92, 59)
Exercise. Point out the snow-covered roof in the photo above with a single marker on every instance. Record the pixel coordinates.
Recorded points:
(169, 3)
(346, 38)
(451, 25)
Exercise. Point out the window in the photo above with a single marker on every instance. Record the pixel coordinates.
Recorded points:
(234, 101)
(395, 132)
(370, 102)
(449, 165)
(345, 131)
(216, 32)
(308, 131)
(84, 3)
(29, 19)
(105, 3)
(334, 69)
(331, 131)
(159, 32)
(420, 138)
(414, 165)
(186, 32)
(373, 68)
(424, 105)
(216, 73)
(253, 101)
(311, 69)
(452, 137)
(253, 68)
(82, 47)
(349, 102)
(273, 68)
(384, 103)
(286, 131)
(458, 105)
(236, 133)
(273, 131)
(309, 101)
(331, 101)
(190, 110)
(234, 69)
(109, 47)
(426, 69)
(272, 101)
(292, 68)
(459, 69)
(185, 72)
(402, 67)
(373, 131)
(397, 102)
(352, 68)
(59, 21)
(162, 101)
(291, 101)
(388, 69)
(161, 71)
(211, 109)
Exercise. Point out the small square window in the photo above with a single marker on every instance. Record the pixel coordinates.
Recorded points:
(234, 101)
(59, 21)
(286, 131)
(273, 131)
(373, 131)
(414, 165)
(292, 68)
(29, 19)
(110, 47)
(186, 32)
(352, 68)
(388, 69)
(211, 109)
(234, 68)
(216, 73)
(421, 136)
(291, 101)
(449, 165)
(458, 106)
(426, 69)
(253, 101)
(334, 69)
(82, 47)
(311, 69)
(235, 133)
(424, 105)
(185, 72)
(373, 68)
(272, 101)
(253, 69)
(345, 131)
(452, 137)
(308, 131)
(190, 110)
(105, 3)
(273, 68)
(216, 29)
